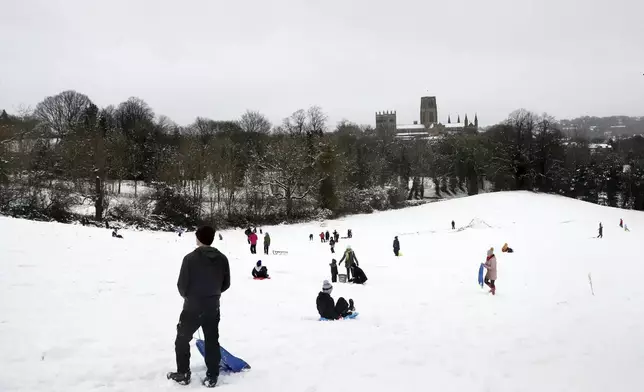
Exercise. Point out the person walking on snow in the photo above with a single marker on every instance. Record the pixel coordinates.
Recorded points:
(327, 236)
(453, 225)
(349, 259)
(204, 276)
(334, 270)
(253, 243)
(322, 237)
(601, 231)
(267, 242)
(332, 244)
(336, 236)
(396, 246)
(621, 223)
(490, 275)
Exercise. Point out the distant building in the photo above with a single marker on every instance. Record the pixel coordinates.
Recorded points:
(429, 126)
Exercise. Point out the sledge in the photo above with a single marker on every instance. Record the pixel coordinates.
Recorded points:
(229, 363)
(481, 268)
(259, 278)
(280, 252)
(349, 317)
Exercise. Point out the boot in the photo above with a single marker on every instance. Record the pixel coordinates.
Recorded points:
(209, 382)
(179, 378)
(493, 290)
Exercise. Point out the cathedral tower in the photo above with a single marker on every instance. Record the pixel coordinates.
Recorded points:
(428, 111)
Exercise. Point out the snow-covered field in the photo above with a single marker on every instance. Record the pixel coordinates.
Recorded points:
(81, 311)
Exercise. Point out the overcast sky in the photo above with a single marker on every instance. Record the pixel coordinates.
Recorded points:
(217, 58)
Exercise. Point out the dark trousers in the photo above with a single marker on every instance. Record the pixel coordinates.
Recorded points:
(332, 249)
(490, 283)
(348, 274)
(189, 323)
(396, 251)
(342, 307)
(266, 246)
(253, 248)
(334, 277)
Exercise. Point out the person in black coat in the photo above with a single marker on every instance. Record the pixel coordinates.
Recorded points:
(327, 309)
(359, 276)
(332, 245)
(334, 271)
(453, 225)
(204, 276)
(260, 271)
(327, 235)
(396, 246)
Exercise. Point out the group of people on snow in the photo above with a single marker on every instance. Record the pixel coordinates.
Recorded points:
(252, 240)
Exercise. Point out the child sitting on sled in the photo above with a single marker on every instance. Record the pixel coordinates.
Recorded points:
(260, 272)
(326, 307)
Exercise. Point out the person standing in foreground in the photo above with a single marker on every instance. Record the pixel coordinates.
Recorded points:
(204, 275)
(490, 275)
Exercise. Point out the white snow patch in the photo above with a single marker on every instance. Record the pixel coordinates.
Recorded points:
(81, 311)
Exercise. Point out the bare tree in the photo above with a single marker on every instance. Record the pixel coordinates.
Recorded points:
(296, 124)
(286, 170)
(253, 121)
(63, 112)
(317, 120)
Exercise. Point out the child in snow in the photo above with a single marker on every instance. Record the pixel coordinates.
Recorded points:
(310, 237)
(359, 276)
(396, 246)
(115, 234)
(490, 275)
(322, 237)
(621, 223)
(267, 242)
(453, 225)
(327, 235)
(334, 270)
(252, 238)
(349, 233)
(220, 237)
(626, 227)
(326, 307)
(260, 271)
(601, 231)
(336, 235)
(332, 244)
(507, 249)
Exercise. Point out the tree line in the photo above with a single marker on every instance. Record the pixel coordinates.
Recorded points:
(67, 151)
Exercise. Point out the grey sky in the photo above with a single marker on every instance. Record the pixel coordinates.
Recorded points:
(216, 58)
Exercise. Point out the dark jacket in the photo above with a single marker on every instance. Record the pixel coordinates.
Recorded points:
(350, 257)
(359, 276)
(326, 306)
(396, 245)
(204, 275)
(262, 273)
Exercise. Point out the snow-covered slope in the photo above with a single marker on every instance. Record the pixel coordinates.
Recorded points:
(81, 311)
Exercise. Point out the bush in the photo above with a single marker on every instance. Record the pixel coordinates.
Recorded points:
(175, 208)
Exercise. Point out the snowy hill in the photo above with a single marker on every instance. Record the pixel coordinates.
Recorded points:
(81, 311)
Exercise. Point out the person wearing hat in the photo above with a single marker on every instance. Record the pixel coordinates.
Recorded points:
(490, 275)
(267, 242)
(204, 275)
(334, 270)
(260, 272)
(326, 307)
(350, 257)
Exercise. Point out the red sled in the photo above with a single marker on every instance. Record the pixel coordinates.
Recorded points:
(261, 278)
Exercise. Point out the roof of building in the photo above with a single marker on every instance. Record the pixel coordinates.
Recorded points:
(454, 125)
(410, 126)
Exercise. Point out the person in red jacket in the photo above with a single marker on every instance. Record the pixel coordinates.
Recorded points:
(253, 243)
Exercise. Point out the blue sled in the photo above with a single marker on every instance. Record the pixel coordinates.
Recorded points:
(349, 317)
(481, 268)
(229, 363)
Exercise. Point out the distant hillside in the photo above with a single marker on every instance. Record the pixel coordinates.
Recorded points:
(604, 126)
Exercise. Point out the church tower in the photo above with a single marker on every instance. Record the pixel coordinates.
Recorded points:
(428, 111)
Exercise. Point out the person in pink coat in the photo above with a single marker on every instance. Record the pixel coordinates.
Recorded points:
(490, 275)
(253, 243)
